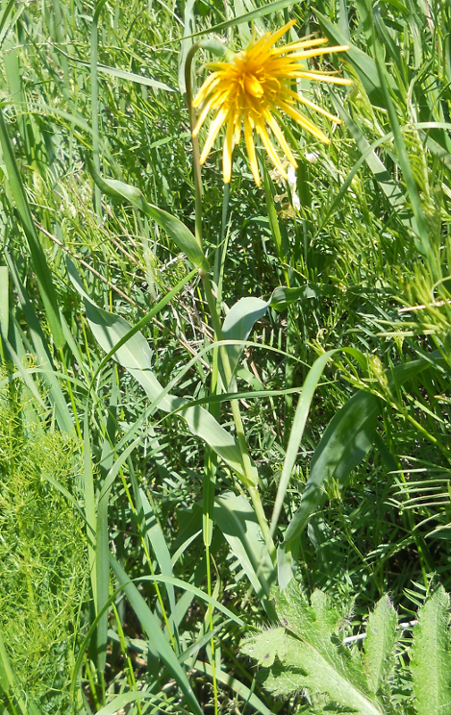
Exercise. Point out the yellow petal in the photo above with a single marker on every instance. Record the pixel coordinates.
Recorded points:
(250, 147)
(272, 39)
(318, 51)
(276, 130)
(323, 77)
(216, 125)
(252, 85)
(263, 134)
(237, 127)
(292, 46)
(228, 151)
(207, 87)
(312, 105)
(304, 122)
(202, 116)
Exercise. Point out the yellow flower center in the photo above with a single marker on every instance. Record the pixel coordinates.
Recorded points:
(253, 90)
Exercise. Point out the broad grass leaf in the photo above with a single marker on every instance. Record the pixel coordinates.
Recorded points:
(239, 525)
(102, 550)
(136, 357)
(153, 630)
(132, 77)
(153, 533)
(43, 273)
(391, 188)
(197, 592)
(43, 356)
(345, 442)
(282, 296)
(7, 22)
(431, 657)
(248, 17)
(175, 229)
(297, 432)
(189, 29)
(239, 322)
(117, 705)
(364, 65)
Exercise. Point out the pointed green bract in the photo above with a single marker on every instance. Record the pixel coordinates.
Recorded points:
(379, 645)
(431, 657)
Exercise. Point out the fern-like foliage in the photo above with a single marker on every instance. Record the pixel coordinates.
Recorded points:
(306, 654)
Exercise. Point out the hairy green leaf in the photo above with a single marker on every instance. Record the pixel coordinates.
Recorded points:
(379, 645)
(431, 657)
(308, 656)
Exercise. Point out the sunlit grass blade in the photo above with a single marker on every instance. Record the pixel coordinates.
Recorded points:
(152, 627)
(43, 272)
(42, 352)
(403, 158)
(238, 523)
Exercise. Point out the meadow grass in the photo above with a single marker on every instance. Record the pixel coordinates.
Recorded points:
(137, 550)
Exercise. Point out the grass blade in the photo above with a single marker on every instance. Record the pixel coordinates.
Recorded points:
(152, 627)
(43, 274)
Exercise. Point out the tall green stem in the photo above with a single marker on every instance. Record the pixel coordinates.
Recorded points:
(196, 154)
(249, 471)
(210, 459)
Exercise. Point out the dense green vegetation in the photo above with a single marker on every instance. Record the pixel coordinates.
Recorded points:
(147, 518)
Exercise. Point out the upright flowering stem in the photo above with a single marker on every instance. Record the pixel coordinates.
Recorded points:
(196, 154)
(249, 471)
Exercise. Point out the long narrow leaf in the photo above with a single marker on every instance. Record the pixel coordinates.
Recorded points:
(152, 627)
(43, 274)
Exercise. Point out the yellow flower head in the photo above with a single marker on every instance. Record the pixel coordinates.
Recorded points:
(253, 89)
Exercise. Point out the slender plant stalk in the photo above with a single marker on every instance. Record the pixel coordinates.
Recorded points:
(249, 471)
(210, 458)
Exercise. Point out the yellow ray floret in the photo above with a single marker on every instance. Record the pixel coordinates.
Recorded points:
(253, 89)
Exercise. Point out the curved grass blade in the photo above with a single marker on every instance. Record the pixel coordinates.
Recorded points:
(364, 65)
(238, 324)
(179, 233)
(43, 356)
(239, 525)
(151, 626)
(43, 273)
(136, 357)
(297, 431)
(345, 442)
(247, 17)
(119, 703)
